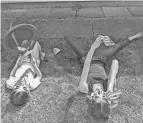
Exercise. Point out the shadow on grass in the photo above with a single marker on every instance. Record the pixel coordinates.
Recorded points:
(10, 108)
(90, 117)
(71, 99)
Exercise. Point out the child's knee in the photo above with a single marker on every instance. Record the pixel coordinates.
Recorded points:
(25, 43)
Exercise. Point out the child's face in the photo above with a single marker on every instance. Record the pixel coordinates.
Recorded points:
(97, 90)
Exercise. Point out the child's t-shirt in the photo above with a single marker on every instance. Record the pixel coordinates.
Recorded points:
(30, 81)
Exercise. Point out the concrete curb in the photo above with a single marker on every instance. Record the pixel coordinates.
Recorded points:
(78, 11)
(70, 4)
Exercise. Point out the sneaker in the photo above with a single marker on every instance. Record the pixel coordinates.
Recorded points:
(56, 51)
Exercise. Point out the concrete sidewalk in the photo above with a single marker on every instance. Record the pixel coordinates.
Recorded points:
(70, 10)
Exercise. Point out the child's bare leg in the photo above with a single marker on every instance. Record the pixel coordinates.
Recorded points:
(78, 49)
(108, 52)
(37, 52)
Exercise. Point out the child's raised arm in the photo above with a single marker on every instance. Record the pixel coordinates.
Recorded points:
(36, 68)
(36, 81)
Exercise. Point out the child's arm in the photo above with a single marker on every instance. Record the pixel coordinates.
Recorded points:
(37, 81)
(112, 75)
(15, 67)
(37, 71)
(11, 81)
(36, 68)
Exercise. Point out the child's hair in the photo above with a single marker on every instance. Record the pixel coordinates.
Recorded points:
(19, 98)
(100, 110)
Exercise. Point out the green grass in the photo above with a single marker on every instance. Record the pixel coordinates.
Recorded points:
(48, 102)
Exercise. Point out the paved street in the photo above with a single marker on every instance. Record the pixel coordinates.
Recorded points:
(85, 21)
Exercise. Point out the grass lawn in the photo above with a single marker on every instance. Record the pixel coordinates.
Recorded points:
(48, 103)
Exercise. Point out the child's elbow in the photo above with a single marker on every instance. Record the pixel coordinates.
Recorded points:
(10, 82)
(83, 88)
(8, 85)
(39, 77)
(36, 83)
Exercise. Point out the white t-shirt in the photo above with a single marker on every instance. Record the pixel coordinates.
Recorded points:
(32, 82)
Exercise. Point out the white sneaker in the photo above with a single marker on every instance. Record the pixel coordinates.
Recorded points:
(56, 50)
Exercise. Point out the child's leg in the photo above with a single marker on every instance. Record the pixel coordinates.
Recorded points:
(37, 52)
(78, 49)
(108, 52)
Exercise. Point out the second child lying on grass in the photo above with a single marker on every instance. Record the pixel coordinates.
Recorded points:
(94, 79)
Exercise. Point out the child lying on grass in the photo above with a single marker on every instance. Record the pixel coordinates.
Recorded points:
(97, 81)
(26, 75)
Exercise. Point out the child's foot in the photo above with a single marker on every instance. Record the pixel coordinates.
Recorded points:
(137, 36)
